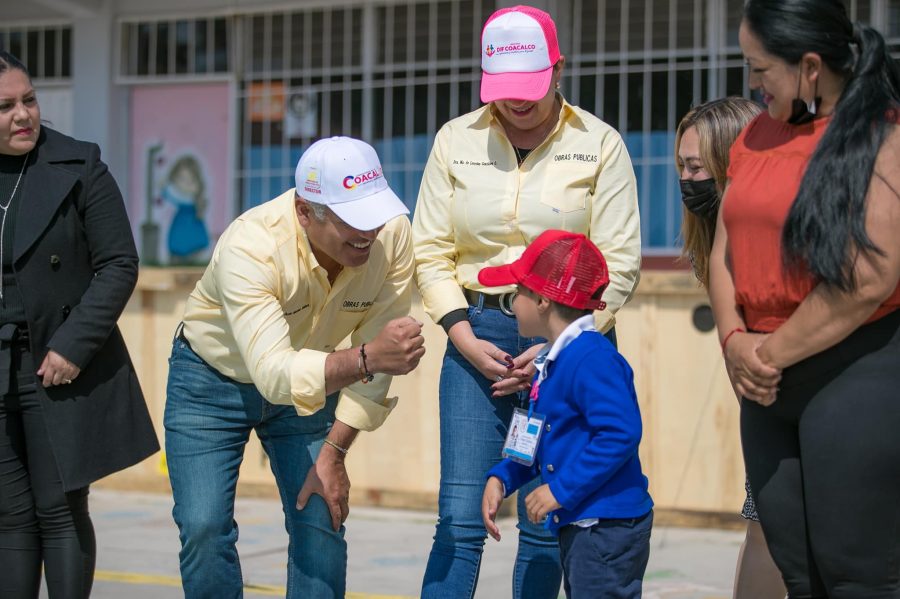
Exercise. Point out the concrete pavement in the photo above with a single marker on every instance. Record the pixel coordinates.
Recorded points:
(138, 553)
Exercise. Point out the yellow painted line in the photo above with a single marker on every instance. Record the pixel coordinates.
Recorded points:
(134, 578)
(174, 581)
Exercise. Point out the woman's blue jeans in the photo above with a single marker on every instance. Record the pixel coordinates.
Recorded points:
(208, 420)
(473, 428)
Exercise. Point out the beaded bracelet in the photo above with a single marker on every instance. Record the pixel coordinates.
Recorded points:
(364, 374)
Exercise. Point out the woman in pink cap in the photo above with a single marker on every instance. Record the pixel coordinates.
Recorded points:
(497, 178)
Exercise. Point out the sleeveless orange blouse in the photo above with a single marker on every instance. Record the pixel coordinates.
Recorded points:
(768, 160)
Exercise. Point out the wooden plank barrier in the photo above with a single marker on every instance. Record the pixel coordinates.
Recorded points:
(690, 449)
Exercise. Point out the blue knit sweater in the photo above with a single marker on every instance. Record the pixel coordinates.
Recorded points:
(588, 452)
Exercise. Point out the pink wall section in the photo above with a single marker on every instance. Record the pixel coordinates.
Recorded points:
(177, 122)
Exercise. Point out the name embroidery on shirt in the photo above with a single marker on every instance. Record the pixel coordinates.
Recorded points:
(304, 307)
(475, 162)
(356, 305)
(575, 157)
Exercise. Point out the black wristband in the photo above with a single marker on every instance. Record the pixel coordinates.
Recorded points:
(452, 317)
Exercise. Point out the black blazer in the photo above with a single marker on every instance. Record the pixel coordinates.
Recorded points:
(76, 265)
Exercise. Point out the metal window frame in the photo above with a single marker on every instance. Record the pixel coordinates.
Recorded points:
(125, 63)
(705, 58)
(708, 59)
(42, 26)
(367, 76)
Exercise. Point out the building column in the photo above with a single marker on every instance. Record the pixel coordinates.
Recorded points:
(99, 108)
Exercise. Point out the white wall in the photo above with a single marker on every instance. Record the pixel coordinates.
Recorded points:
(124, 8)
(27, 10)
(56, 107)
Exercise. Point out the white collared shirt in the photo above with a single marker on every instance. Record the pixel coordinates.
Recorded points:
(569, 334)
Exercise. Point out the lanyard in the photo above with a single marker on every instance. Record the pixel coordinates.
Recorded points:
(533, 396)
(542, 374)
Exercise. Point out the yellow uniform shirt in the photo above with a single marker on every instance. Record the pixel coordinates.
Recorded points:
(265, 313)
(477, 208)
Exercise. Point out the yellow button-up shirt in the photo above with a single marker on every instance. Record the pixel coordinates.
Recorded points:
(265, 313)
(477, 207)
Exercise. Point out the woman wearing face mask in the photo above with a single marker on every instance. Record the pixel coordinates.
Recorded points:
(702, 141)
(804, 284)
(71, 409)
(496, 178)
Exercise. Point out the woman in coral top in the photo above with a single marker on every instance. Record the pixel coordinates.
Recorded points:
(804, 284)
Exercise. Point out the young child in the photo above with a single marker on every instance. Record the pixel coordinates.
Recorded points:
(583, 425)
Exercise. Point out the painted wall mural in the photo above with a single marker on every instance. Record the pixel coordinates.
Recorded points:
(181, 184)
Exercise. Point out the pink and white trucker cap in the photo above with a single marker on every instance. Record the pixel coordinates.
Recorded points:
(345, 174)
(518, 51)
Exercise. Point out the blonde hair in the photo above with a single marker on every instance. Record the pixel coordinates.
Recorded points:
(718, 124)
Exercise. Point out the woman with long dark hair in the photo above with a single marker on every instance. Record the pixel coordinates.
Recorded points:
(71, 409)
(804, 284)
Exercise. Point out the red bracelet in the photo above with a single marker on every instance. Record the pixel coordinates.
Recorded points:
(728, 336)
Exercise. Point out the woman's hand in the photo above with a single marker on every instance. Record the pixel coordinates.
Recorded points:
(56, 370)
(520, 375)
(752, 378)
(491, 361)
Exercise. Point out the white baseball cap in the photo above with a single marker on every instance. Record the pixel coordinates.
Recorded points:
(345, 174)
(518, 51)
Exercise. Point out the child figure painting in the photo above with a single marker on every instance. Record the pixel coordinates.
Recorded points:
(185, 190)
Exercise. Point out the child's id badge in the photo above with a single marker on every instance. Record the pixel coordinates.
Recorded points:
(523, 436)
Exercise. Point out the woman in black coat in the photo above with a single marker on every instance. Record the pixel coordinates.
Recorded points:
(71, 409)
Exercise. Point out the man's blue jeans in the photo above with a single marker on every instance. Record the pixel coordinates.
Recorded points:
(208, 419)
(473, 428)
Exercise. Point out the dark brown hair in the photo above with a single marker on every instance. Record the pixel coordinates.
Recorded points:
(9, 62)
(825, 229)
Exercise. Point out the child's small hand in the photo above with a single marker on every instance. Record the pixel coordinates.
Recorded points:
(490, 503)
(539, 503)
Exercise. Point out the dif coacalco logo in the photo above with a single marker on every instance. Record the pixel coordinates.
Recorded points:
(351, 181)
(511, 48)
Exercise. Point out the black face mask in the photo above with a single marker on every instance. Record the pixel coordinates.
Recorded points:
(801, 112)
(701, 198)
